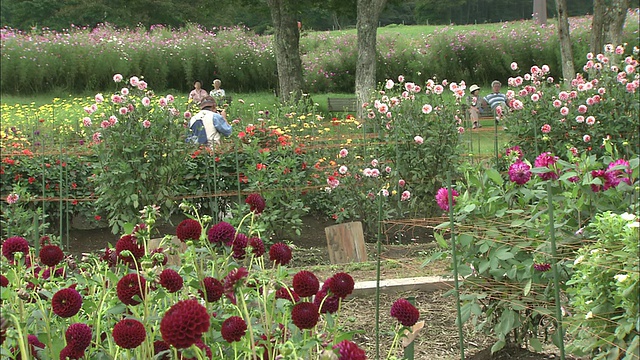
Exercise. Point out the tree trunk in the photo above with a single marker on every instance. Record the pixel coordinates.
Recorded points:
(367, 25)
(568, 69)
(618, 16)
(540, 12)
(287, 49)
(597, 26)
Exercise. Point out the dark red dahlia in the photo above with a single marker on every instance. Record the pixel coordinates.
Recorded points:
(129, 333)
(221, 232)
(287, 294)
(256, 203)
(171, 280)
(129, 242)
(66, 302)
(51, 255)
(34, 345)
(405, 312)
(78, 336)
(348, 350)
(542, 267)
(4, 282)
(233, 329)
(280, 253)
(341, 284)
(257, 245)
(13, 245)
(212, 289)
(305, 315)
(199, 344)
(159, 259)
(233, 277)
(239, 246)
(305, 283)
(160, 346)
(326, 303)
(189, 229)
(129, 286)
(68, 352)
(184, 323)
(110, 257)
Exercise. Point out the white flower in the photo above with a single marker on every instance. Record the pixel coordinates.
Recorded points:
(628, 217)
(578, 260)
(634, 224)
(589, 315)
(621, 277)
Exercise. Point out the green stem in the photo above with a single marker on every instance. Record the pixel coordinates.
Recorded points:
(556, 275)
(455, 265)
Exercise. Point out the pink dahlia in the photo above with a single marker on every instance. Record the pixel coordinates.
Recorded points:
(184, 323)
(519, 172)
(305, 283)
(442, 198)
(189, 229)
(171, 280)
(405, 312)
(305, 315)
(66, 302)
(221, 232)
(256, 203)
(546, 160)
(129, 333)
(280, 253)
(233, 329)
(13, 245)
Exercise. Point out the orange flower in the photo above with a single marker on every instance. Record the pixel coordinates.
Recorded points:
(27, 152)
(242, 134)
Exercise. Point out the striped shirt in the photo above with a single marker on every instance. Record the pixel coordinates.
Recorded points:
(495, 99)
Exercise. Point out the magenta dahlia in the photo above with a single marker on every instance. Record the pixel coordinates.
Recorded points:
(546, 160)
(51, 255)
(239, 246)
(129, 286)
(171, 280)
(221, 233)
(599, 174)
(280, 253)
(66, 302)
(4, 281)
(78, 336)
(13, 245)
(519, 172)
(305, 315)
(233, 329)
(129, 333)
(326, 303)
(442, 198)
(189, 229)
(305, 283)
(256, 203)
(341, 284)
(348, 350)
(184, 323)
(257, 245)
(405, 312)
(129, 242)
(514, 152)
(618, 171)
(213, 289)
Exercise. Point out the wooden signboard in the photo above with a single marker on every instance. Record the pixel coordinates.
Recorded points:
(346, 243)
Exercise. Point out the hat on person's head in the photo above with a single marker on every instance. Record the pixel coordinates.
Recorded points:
(474, 87)
(496, 82)
(208, 101)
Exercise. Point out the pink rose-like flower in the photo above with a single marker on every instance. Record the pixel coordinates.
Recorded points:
(146, 124)
(418, 139)
(187, 115)
(343, 170)
(344, 153)
(442, 198)
(113, 119)
(134, 81)
(117, 78)
(99, 98)
(582, 109)
(580, 119)
(142, 85)
(514, 66)
(163, 102)
(401, 183)
(146, 101)
(116, 99)
(170, 98)
(557, 103)
(387, 169)
(586, 138)
(406, 195)
(438, 89)
(546, 128)
(426, 109)
(86, 121)
(389, 84)
(564, 111)
(384, 192)
(563, 95)
(13, 198)
(124, 91)
(590, 120)
(105, 124)
(519, 172)
(96, 137)
(535, 97)
(123, 111)
(546, 160)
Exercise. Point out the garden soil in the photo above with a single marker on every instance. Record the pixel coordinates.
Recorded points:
(436, 340)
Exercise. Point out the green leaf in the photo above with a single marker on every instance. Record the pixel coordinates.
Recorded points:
(495, 176)
(535, 344)
(469, 208)
(440, 240)
(503, 254)
(118, 309)
(527, 289)
(465, 239)
(498, 346)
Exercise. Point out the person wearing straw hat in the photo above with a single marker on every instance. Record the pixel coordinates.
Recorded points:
(474, 105)
(209, 123)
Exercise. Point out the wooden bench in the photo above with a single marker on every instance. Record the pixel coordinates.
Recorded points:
(349, 104)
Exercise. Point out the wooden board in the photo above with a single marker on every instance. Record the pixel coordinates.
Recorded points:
(346, 243)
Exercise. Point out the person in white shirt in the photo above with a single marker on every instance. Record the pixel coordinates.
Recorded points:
(217, 91)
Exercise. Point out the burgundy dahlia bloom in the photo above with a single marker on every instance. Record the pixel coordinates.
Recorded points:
(184, 323)
(257, 245)
(280, 253)
(520, 172)
(239, 246)
(70, 353)
(546, 160)
(348, 350)
(305, 283)
(129, 333)
(129, 242)
(160, 346)
(110, 257)
(189, 229)
(341, 284)
(233, 277)
(221, 232)
(129, 286)
(542, 267)
(405, 312)
(4, 281)
(287, 294)
(442, 198)
(66, 302)
(199, 344)
(213, 289)
(305, 315)
(51, 255)
(34, 345)
(326, 303)
(233, 329)
(601, 174)
(256, 203)
(78, 336)
(161, 259)
(515, 152)
(171, 280)
(13, 245)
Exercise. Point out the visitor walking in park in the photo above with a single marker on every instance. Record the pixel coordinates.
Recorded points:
(209, 123)
(495, 99)
(473, 100)
(198, 93)
(217, 91)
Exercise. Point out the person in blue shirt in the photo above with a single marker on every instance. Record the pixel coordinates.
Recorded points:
(209, 123)
(495, 99)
